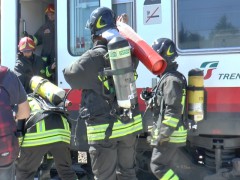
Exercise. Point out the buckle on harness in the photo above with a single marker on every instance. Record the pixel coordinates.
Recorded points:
(84, 113)
(126, 116)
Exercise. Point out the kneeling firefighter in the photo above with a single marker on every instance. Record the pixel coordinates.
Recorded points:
(167, 103)
(47, 130)
(112, 120)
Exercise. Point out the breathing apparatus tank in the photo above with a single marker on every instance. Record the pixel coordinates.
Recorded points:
(196, 95)
(47, 90)
(122, 72)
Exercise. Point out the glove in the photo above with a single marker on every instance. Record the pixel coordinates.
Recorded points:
(53, 66)
(166, 131)
(21, 127)
(146, 94)
(160, 135)
(164, 139)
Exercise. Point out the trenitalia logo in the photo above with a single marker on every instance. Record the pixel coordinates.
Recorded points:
(208, 67)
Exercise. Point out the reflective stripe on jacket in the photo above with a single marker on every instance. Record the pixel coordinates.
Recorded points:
(97, 132)
(54, 128)
(179, 136)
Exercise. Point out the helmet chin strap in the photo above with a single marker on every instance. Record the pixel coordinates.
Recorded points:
(29, 57)
(93, 37)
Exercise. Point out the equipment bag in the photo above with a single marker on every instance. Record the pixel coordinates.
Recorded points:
(8, 141)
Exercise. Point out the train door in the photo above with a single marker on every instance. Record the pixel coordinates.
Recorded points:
(31, 17)
(17, 17)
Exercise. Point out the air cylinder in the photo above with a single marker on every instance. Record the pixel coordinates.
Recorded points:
(123, 71)
(47, 90)
(195, 95)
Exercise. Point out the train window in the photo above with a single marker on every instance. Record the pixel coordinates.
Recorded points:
(79, 36)
(208, 24)
(125, 6)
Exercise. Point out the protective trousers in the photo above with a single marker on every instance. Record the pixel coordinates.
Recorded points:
(114, 160)
(45, 168)
(31, 157)
(161, 161)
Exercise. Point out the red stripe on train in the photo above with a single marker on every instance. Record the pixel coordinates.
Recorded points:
(223, 99)
(220, 99)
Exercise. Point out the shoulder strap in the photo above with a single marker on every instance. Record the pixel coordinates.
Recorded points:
(39, 116)
(155, 88)
(176, 74)
(183, 78)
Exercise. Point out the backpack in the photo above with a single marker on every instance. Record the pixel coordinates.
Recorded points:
(8, 140)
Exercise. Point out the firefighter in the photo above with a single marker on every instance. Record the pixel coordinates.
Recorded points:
(168, 131)
(112, 141)
(45, 36)
(46, 131)
(29, 64)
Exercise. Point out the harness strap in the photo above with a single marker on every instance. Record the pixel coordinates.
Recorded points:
(38, 86)
(40, 115)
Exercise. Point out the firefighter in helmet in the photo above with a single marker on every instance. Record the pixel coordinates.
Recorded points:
(28, 63)
(168, 131)
(112, 142)
(45, 36)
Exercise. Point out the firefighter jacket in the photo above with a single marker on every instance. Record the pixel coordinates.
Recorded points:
(173, 91)
(97, 109)
(26, 68)
(51, 129)
(46, 36)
